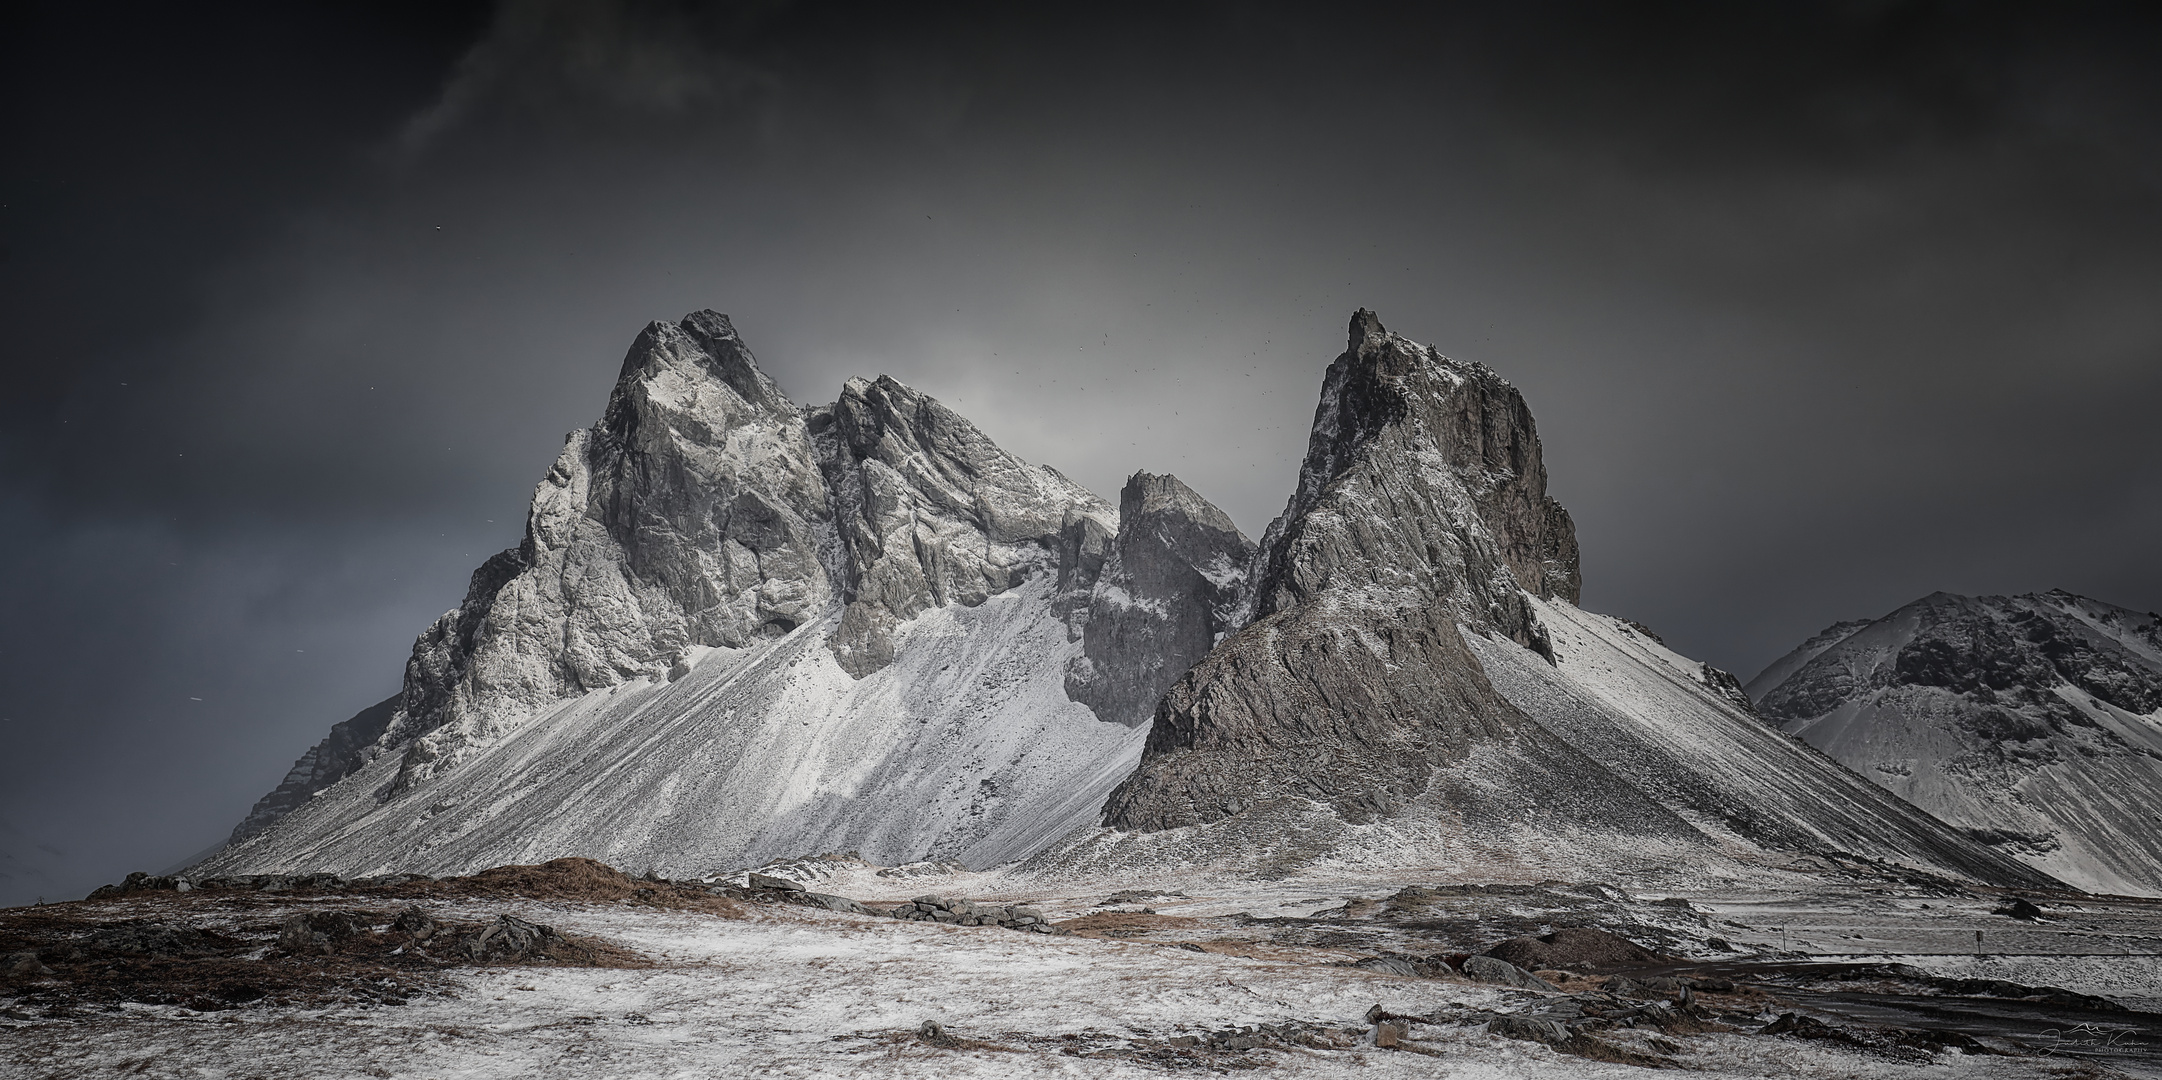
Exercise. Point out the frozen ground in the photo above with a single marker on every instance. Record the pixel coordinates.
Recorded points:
(792, 991)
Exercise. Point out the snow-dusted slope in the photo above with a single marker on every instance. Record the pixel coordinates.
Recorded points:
(2032, 722)
(964, 747)
(1664, 722)
(739, 629)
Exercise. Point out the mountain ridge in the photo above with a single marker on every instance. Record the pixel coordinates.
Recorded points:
(740, 629)
(2032, 722)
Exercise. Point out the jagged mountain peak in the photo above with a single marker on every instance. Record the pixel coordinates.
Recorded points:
(773, 629)
(1147, 493)
(1417, 683)
(696, 356)
(1448, 453)
(931, 512)
(1171, 585)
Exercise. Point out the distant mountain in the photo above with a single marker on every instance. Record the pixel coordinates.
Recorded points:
(738, 629)
(2032, 722)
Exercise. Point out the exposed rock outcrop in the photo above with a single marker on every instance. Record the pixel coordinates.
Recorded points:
(1171, 585)
(932, 513)
(712, 560)
(2033, 722)
(693, 514)
(1421, 505)
(351, 744)
(707, 510)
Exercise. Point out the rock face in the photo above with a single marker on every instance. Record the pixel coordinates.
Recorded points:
(706, 509)
(1171, 585)
(931, 513)
(2032, 722)
(738, 629)
(350, 745)
(693, 514)
(1421, 504)
(1417, 686)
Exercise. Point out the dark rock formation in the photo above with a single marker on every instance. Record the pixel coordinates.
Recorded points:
(1576, 948)
(1421, 505)
(1170, 587)
(350, 744)
(1402, 670)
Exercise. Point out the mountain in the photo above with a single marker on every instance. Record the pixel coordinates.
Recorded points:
(1416, 686)
(2032, 722)
(737, 629)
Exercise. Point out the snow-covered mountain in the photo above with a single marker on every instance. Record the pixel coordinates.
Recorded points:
(739, 629)
(2032, 722)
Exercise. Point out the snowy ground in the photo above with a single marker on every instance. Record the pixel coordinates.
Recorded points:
(789, 991)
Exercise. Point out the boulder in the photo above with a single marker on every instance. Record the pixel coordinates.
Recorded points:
(511, 938)
(1575, 949)
(417, 923)
(837, 903)
(762, 881)
(1391, 965)
(1529, 1029)
(1487, 969)
(2021, 909)
(150, 938)
(22, 966)
(312, 932)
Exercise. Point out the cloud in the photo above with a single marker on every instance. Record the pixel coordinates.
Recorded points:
(563, 58)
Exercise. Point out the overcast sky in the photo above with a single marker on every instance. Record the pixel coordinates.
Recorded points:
(1820, 307)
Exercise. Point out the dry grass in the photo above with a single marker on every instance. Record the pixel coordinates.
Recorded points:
(220, 948)
(1119, 924)
(576, 880)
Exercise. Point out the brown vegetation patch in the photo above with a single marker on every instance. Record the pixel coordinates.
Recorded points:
(192, 951)
(1121, 924)
(577, 880)
(1576, 949)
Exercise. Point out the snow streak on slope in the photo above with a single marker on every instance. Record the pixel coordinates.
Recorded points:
(2032, 722)
(1659, 720)
(965, 747)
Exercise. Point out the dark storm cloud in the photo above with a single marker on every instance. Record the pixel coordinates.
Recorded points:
(1821, 307)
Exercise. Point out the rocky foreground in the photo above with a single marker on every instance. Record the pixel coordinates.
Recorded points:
(571, 968)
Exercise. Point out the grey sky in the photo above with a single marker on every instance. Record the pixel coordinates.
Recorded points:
(1820, 308)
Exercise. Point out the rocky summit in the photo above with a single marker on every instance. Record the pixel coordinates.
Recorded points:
(1416, 685)
(738, 629)
(2034, 723)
